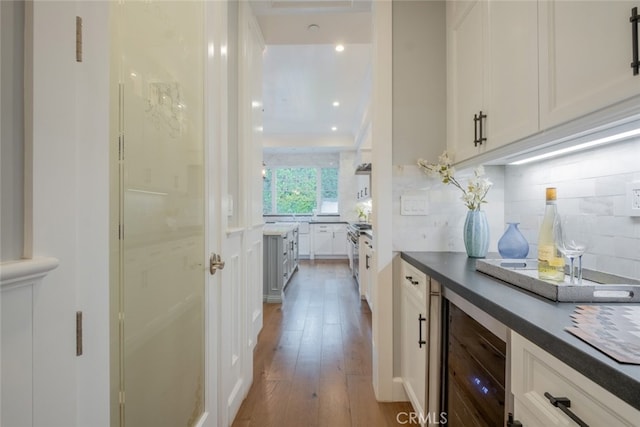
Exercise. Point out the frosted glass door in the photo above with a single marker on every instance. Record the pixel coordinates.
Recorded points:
(161, 300)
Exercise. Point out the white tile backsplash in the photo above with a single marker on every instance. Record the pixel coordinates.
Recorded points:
(441, 230)
(592, 181)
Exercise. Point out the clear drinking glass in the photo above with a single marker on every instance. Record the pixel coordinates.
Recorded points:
(572, 238)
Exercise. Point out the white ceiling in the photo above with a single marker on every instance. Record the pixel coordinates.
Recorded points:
(303, 74)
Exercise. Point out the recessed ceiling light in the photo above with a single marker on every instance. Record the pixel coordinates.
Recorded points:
(313, 27)
(333, 128)
(336, 103)
(339, 48)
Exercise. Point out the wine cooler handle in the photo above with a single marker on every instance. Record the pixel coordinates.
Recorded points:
(634, 19)
(420, 320)
(564, 404)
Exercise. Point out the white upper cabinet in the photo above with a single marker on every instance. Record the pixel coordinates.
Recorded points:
(465, 75)
(512, 100)
(585, 57)
(492, 59)
(515, 68)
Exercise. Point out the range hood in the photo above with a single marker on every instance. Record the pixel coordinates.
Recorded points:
(363, 169)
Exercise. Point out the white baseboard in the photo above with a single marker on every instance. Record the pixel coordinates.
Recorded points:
(398, 393)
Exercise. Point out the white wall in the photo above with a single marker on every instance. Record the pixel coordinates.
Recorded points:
(12, 130)
(92, 214)
(70, 214)
(591, 182)
(419, 77)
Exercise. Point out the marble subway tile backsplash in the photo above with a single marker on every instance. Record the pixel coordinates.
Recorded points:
(592, 182)
(441, 228)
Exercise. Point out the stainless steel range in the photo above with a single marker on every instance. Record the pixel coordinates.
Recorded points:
(353, 236)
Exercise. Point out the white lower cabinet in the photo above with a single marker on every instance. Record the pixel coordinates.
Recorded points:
(329, 240)
(366, 269)
(416, 344)
(535, 372)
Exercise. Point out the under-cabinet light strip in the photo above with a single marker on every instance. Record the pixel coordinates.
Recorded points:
(583, 146)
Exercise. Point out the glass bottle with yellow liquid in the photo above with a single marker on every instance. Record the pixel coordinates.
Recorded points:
(550, 260)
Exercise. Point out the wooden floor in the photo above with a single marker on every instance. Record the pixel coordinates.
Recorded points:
(312, 363)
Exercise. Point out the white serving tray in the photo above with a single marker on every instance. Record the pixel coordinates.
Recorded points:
(595, 287)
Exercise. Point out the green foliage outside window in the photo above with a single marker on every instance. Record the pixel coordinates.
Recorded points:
(295, 191)
(267, 194)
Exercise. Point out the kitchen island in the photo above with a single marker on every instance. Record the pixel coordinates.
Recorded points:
(280, 247)
(537, 319)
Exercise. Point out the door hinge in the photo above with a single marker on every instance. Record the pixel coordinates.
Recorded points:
(120, 231)
(78, 39)
(121, 397)
(78, 333)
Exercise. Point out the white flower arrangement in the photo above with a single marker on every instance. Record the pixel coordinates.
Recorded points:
(477, 187)
(363, 210)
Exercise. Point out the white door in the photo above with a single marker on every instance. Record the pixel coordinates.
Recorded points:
(226, 188)
(164, 307)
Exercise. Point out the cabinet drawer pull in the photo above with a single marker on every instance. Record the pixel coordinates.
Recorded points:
(420, 320)
(634, 19)
(564, 404)
(410, 279)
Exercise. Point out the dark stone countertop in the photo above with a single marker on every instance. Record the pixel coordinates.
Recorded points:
(539, 320)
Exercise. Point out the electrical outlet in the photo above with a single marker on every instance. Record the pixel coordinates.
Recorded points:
(414, 204)
(633, 198)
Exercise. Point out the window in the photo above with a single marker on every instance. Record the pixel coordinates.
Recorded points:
(300, 190)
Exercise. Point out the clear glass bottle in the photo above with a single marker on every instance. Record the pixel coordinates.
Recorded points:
(550, 260)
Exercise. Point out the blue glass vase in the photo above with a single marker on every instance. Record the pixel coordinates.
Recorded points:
(476, 234)
(512, 244)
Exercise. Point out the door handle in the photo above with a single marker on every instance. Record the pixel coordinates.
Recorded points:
(215, 263)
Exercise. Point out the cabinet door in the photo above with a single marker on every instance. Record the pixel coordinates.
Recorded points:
(362, 269)
(414, 356)
(585, 57)
(367, 280)
(322, 239)
(534, 372)
(339, 240)
(512, 69)
(304, 248)
(465, 76)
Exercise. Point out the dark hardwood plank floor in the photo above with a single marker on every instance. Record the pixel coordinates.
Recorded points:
(312, 363)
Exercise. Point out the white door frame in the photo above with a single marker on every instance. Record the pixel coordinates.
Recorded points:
(215, 81)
